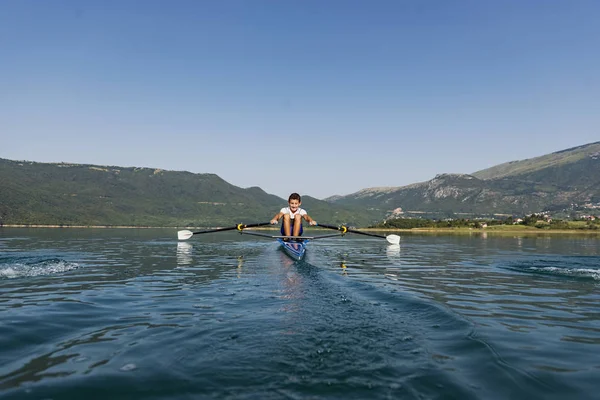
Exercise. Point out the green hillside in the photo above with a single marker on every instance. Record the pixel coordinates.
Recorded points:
(76, 194)
(554, 161)
(564, 182)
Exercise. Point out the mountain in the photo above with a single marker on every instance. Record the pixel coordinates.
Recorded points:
(84, 194)
(553, 166)
(562, 182)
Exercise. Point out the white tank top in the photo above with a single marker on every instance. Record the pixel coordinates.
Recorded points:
(299, 211)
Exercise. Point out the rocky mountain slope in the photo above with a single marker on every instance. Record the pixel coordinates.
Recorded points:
(562, 182)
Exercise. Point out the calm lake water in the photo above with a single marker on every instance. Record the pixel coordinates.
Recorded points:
(133, 314)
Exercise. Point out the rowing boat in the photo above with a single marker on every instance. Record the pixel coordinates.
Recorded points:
(295, 250)
(293, 246)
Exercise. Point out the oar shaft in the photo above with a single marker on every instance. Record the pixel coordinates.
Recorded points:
(231, 228)
(345, 229)
(255, 225)
(337, 228)
(366, 233)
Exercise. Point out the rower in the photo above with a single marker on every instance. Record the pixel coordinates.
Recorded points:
(292, 217)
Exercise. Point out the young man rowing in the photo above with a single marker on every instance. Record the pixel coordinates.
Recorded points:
(292, 217)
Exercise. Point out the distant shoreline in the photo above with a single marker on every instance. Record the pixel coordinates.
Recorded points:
(85, 226)
(463, 231)
(500, 230)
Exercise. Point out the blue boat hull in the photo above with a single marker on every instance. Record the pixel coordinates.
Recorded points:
(295, 250)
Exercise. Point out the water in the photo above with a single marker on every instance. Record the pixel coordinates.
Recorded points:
(129, 314)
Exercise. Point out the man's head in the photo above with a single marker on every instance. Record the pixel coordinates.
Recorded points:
(294, 201)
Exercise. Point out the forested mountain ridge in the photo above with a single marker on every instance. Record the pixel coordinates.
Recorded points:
(548, 166)
(565, 182)
(84, 194)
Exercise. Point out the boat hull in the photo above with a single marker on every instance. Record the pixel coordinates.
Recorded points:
(294, 250)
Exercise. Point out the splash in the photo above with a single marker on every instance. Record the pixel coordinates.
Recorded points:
(572, 267)
(588, 273)
(19, 269)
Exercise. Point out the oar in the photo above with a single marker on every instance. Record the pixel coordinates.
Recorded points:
(185, 234)
(392, 239)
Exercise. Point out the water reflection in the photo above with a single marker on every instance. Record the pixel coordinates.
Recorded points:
(344, 268)
(292, 286)
(184, 254)
(393, 251)
(240, 264)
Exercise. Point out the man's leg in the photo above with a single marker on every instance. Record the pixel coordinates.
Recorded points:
(287, 229)
(297, 226)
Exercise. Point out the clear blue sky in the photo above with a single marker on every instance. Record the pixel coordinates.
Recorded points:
(320, 97)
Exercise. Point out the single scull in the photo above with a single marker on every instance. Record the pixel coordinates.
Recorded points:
(294, 246)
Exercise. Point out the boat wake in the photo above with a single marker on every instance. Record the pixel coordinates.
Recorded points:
(572, 267)
(23, 267)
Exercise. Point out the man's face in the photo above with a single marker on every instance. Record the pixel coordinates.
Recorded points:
(294, 204)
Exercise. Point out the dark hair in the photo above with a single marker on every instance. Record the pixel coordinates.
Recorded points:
(294, 196)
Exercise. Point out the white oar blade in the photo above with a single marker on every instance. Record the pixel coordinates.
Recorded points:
(184, 235)
(393, 239)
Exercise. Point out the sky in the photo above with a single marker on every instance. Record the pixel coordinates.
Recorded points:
(320, 97)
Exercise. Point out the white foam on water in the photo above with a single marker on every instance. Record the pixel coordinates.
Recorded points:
(128, 367)
(576, 272)
(49, 267)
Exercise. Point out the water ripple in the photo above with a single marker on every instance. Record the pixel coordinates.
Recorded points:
(234, 317)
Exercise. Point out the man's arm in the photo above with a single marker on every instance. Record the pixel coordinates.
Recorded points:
(309, 219)
(276, 218)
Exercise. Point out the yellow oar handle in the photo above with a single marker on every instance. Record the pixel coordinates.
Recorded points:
(342, 228)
